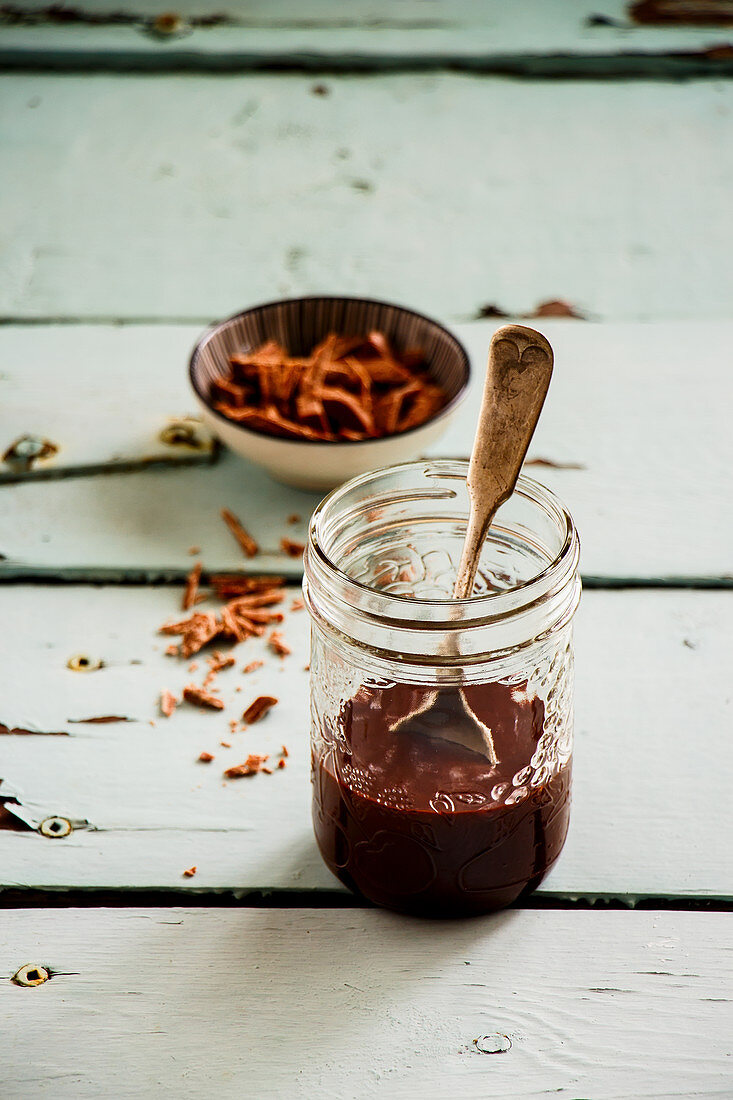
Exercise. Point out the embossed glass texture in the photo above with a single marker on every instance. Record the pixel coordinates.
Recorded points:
(406, 811)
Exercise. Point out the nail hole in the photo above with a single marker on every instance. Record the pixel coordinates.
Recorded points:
(31, 974)
(55, 827)
(82, 662)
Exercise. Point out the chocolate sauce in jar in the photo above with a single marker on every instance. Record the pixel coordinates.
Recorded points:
(411, 819)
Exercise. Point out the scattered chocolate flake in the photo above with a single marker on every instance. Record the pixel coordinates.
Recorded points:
(551, 464)
(227, 585)
(294, 518)
(267, 771)
(201, 628)
(239, 619)
(281, 763)
(258, 709)
(192, 587)
(718, 53)
(193, 666)
(692, 12)
(320, 89)
(226, 744)
(190, 872)
(298, 604)
(291, 548)
(277, 645)
(245, 540)
(556, 308)
(218, 661)
(206, 757)
(489, 310)
(284, 751)
(194, 550)
(252, 666)
(345, 389)
(251, 766)
(171, 650)
(201, 698)
(168, 703)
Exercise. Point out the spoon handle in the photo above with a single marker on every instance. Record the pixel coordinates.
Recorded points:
(517, 379)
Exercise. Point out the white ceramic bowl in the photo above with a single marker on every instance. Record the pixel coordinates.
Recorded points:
(299, 324)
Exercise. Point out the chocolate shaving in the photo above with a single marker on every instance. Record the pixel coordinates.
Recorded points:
(292, 548)
(232, 584)
(334, 393)
(199, 697)
(244, 539)
(189, 872)
(556, 308)
(251, 766)
(252, 666)
(258, 709)
(277, 645)
(681, 12)
(192, 586)
(167, 703)
(205, 757)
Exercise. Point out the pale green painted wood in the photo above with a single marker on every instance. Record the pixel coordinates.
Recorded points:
(194, 196)
(622, 400)
(191, 1003)
(651, 812)
(536, 37)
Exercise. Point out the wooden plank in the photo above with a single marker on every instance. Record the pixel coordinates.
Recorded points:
(53, 376)
(221, 191)
(619, 405)
(302, 1003)
(651, 812)
(543, 38)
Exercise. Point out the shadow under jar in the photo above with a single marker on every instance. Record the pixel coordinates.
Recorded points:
(407, 811)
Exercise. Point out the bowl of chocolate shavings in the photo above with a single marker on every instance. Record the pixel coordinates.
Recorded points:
(318, 390)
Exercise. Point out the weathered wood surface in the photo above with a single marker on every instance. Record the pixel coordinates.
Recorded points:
(102, 396)
(191, 1003)
(541, 38)
(651, 810)
(621, 406)
(203, 194)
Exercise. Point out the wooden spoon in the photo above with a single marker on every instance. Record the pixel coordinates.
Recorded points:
(517, 380)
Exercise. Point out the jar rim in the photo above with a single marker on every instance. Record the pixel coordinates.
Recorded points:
(486, 605)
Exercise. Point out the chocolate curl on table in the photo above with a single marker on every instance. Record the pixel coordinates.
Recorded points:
(192, 586)
(244, 539)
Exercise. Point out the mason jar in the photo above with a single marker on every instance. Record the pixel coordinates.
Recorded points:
(441, 729)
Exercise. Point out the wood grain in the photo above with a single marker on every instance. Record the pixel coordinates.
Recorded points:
(272, 1003)
(633, 489)
(219, 192)
(651, 813)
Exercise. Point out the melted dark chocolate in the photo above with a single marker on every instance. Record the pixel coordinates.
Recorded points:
(412, 820)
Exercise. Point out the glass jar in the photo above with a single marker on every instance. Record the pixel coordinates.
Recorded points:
(441, 729)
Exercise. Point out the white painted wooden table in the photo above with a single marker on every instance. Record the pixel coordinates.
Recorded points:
(156, 184)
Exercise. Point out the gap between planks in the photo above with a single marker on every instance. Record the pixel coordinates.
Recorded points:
(61, 897)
